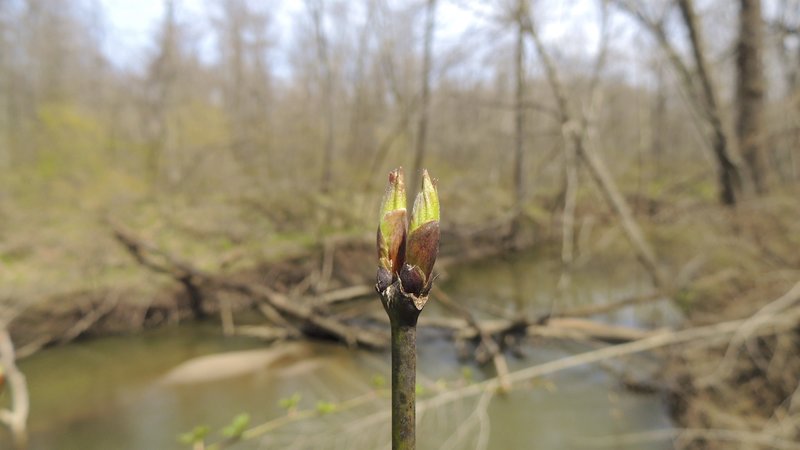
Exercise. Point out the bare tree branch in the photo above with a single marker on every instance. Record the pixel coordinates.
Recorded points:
(597, 167)
(15, 418)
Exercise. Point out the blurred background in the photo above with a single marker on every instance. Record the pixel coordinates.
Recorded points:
(189, 192)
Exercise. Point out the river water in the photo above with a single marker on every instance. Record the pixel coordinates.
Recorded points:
(121, 393)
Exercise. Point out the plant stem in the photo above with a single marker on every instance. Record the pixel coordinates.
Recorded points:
(404, 371)
(403, 311)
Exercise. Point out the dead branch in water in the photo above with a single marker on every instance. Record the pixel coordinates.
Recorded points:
(774, 322)
(88, 320)
(604, 308)
(16, 417)
(488, 342)
(275, 304)
(557, 328)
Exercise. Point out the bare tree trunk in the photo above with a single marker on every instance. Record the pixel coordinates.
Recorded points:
(790, 60)
(162, 78)
(316, 10)
(236, 90)
(242, 43)
(422, 126)
(609, 189)
(570, 141)
(795, 95)
(657, 125)
(519, 113)
(5, 112)
(598, 169)
(359, 115)
(750, 91)
(700, 91)
(5, 91)
(729, 177)
(573, 137)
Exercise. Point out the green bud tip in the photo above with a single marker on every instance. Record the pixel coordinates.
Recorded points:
(422, 245)
(426, 205)
(394, 198)
(393, 222)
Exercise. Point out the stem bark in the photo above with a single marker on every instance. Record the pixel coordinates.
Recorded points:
(403, 311)
(404, 375)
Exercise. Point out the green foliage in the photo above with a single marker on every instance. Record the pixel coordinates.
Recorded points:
(71, 155)
(69, 140)
(466, 373)
(237, 426)
(326, 407)
(378, 381)
(290, 403)
(197, 434)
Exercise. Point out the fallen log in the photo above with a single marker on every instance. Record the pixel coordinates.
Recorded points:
(157, 260)
(343, 295)
(590, 330)
(603, 308)
(265, 333)
(348, 334)
(86, 322)
(278, 306)
(574, 329)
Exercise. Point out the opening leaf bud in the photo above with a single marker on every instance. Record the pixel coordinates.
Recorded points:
(393, 222)
(426, 205)
(423, 239)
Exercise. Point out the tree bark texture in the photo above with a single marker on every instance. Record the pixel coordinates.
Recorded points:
(730, 180)
(422, 128)
(519, 110)
(316, 9)
(750, 91)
